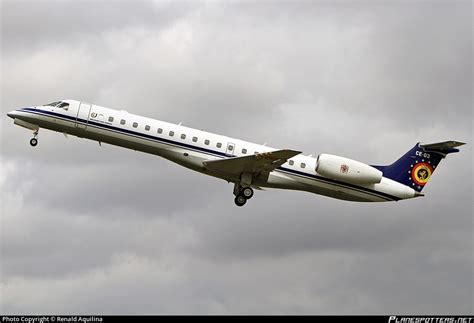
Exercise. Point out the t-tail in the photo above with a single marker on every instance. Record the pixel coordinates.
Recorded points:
(414, 169)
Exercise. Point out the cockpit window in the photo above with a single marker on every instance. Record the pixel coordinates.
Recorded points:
(63, 105)
(53, 104)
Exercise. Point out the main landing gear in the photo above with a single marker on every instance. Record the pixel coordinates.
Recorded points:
(240, 200)
(242, 194)
(34, 140)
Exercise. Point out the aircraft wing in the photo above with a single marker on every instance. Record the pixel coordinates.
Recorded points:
(253, 164)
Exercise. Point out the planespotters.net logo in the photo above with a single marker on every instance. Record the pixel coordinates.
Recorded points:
(438, 319)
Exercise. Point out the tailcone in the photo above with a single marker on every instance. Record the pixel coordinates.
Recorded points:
(419, 194)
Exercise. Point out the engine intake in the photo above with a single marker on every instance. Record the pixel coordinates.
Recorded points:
(347, 170)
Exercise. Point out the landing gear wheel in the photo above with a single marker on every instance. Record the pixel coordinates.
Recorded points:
(33, 142)
(247, 192)
(240, 200)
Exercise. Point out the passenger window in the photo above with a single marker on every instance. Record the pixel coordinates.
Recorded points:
(303, 165)
(219, 145)
(135, 125)
(183, 136)
(147, 128)
(111, 119)
(171, 133)
(206, 142)
(195, 139)
(159, 130)
(244, 151)
(122, 121)
(291, 162)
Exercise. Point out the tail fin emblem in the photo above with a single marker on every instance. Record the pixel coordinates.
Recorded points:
(421, 173)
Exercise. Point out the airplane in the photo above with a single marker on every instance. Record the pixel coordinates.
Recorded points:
(247, 165)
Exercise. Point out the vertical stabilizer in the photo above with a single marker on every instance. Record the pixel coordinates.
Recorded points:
(415, 168)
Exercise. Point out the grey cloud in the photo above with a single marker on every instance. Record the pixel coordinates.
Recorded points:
(29, 25)
(121, 232)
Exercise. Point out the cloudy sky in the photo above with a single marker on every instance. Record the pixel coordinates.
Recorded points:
(89, 229)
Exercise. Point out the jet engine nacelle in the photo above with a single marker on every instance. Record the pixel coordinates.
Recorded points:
(347, 170)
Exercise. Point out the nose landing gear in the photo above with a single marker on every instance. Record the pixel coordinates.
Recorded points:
(34, 140)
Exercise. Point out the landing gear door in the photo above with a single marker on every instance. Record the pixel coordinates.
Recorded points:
(82, 118)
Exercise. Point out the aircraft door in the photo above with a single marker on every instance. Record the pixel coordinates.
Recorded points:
(230, 149)
(82, 118)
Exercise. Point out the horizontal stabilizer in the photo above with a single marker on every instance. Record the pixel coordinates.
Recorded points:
(442, 146)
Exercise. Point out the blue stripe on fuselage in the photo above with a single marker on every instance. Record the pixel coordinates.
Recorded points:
(210, 152)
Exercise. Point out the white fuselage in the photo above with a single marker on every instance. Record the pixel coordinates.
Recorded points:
(191, 147)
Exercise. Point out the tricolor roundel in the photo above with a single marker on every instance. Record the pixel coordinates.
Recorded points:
(421, 173)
